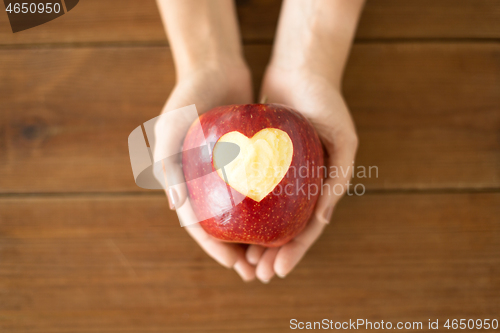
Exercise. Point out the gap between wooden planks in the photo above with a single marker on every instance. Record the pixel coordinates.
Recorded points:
(130, 21)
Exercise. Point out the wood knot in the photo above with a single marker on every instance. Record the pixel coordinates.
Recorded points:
(31, 132)
(33, 129)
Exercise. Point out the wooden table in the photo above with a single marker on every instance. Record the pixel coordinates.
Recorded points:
(83, 249)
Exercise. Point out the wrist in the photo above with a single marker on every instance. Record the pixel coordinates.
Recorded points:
(315, 36)
(314, 51)
(300, 76)
(201, 33)
(223, 65)
(302, 69)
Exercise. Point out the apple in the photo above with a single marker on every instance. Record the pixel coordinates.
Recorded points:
(266, 191)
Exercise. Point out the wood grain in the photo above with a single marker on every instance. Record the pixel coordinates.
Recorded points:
(123, 264)
(427, 114)
(129, 21)
(423, 85)
(430, 19)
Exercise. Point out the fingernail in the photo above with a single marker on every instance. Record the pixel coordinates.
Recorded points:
(281, 276)
(173, 198)
(252, 262)
(238, 268)
(265, 281)
(328, 214)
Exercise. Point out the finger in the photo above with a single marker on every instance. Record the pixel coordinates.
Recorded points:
(229, 255)
(176, 194)
(265, 267)
(290, 254)
(254, 253)
(244, 269)
(170, 129)
(226, 254)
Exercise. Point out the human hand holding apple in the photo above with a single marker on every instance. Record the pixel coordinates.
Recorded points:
(310, 51)
(199, 89)
(309, 54)
(321, 103)
(277, 140)
(209, 72)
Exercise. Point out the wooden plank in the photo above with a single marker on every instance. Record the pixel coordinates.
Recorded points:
(427, 114)
(430, 19)
(123, 264)
(67, 114)
(94, 21)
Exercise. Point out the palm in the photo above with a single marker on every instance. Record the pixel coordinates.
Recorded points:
(209, 88)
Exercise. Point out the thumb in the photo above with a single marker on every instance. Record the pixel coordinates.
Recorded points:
(341, 150)
(170, 130)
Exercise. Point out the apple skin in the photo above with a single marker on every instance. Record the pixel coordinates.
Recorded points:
(277, 218)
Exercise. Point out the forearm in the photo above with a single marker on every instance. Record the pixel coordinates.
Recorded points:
(201, 33)
(316, 35)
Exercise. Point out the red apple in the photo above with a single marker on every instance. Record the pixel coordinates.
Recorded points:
(272, 184)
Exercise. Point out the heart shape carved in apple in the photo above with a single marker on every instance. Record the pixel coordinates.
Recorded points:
(260, 165)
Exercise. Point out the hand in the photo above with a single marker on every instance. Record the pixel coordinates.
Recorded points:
(314, 34)
(321, 102)
(210, 86)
